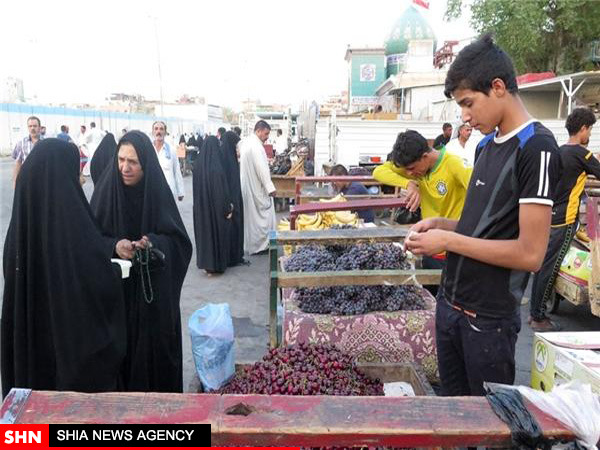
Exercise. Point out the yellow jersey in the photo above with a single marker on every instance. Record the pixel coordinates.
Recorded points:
(443, 190)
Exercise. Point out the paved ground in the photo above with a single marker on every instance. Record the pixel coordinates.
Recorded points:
(246, 290)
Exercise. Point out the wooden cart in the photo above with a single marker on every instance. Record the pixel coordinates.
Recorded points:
(276, 420)
(279, 279)
(576, 290)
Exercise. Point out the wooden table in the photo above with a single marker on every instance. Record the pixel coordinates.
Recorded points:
(286, 420)
(285, 186)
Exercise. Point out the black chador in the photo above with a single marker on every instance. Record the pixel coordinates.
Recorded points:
(63, 316)
(213, 209)
(232, 174)
(103, 156)
(152, 293)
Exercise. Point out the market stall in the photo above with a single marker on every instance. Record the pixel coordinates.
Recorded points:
(377, 336)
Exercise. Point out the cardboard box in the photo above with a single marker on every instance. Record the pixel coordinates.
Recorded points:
(558, 358)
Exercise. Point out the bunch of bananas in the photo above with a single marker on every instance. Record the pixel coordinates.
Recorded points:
(283, 225)
(331, 218)
(323, 220)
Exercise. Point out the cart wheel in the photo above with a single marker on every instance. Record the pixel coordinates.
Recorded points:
(553, 302)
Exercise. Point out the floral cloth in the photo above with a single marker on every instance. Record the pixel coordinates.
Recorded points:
(400, 336)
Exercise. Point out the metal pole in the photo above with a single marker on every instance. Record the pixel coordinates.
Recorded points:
(159, 69)
(570, 95)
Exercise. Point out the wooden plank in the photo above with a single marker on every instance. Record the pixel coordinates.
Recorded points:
(368, 421)
(355, 205)
(327, 179)
(341, 237)
(13, 405)
(296, 420)
(120, 407)
(364, 179)
(358, 277)
(304, 199)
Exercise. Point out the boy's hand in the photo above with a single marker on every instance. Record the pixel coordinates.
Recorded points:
(413, 196)
(428, 243)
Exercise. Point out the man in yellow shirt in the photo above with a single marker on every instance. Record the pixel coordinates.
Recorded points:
(434, 179)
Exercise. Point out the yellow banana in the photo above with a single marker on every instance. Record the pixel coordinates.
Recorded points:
(345, 216)
(337, 198)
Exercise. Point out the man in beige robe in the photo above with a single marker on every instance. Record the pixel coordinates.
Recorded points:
(257, 190)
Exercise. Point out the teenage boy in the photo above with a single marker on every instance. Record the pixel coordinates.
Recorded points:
(576, 162)
(503, 231)
(434, 179)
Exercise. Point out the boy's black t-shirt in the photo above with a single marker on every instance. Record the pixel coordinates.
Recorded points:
(576, 162)
(521, 167)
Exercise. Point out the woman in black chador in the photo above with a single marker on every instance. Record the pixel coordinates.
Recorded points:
(103, 156)
(63, 317)
(232, 174)
(133, 203)
(212, 209)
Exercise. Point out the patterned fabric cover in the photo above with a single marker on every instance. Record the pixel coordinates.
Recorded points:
(401, 336)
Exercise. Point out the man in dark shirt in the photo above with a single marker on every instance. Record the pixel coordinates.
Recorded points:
(503, 231)
(443, 138)
(576, 162)
(64, 134)
(351, 188)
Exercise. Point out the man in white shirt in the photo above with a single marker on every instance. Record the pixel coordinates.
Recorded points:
(257, 190)
(462, 145)
(281, 144)
(167, 157)
(93, 138)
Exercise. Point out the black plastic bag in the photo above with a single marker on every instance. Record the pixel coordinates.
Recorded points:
(525, 431)
(404, 216)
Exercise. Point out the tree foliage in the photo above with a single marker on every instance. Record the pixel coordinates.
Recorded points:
(539, 35)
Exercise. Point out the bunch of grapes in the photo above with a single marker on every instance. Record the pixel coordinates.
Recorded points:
(310, 258)
(304, 369)
(351, 300)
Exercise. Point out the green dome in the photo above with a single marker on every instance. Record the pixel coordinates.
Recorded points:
(410, 26)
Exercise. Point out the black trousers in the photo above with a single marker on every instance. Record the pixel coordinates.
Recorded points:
(473, 350)
(543, 280)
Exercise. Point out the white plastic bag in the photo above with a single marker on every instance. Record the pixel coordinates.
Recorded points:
(574, 404)
(211, 330)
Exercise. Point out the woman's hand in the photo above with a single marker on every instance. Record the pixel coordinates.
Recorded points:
(125, 249)
(142, 243)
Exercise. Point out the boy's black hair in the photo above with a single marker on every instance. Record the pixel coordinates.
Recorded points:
(338, 170)
(477, 65)
(578, 118)
(410, 146)
(446, 126)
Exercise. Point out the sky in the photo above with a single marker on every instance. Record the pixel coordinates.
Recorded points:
(227, 51)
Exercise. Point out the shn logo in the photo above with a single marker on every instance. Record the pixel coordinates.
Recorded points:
(22, 437)
(544, 182)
